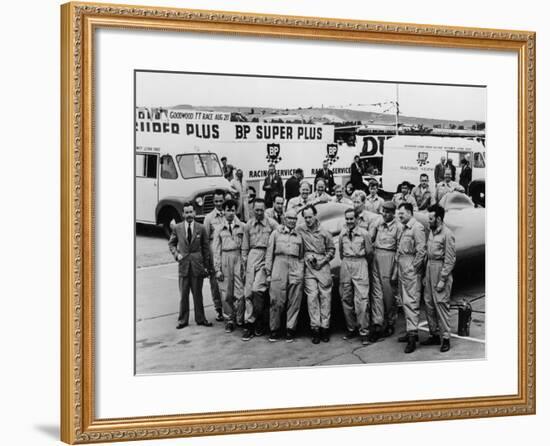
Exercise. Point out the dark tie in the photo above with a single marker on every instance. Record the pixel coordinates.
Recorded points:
(231, 229)
(279, 218)
(189, 235)
(351, 234)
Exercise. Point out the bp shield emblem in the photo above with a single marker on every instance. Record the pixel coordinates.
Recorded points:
(273, 153)
(422, 159)
(332, 153)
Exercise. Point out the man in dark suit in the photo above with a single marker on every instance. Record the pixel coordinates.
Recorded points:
(357, 174)
(328, 175)
(292, 185)
(189, 246)
(273, 185)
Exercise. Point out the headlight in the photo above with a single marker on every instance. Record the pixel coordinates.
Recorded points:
(199, 201)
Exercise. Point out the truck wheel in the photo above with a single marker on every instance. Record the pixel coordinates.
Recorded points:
(166, 219)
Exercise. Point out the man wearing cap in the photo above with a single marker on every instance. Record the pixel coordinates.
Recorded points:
(228, 238)
(253, 250)
(374, 202)
(439, 279)
(411, 252)
(355, 248)
(365, 219)
(319, 251)
(211, 221)
(404, 196)
(284, 266)
(384, 273)
(422, 193)
(446, 186)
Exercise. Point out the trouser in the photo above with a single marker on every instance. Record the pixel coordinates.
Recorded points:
(255, 287)
(231, 287)
(193, 284)
(354, 291)
(214, 287)
(318, 291)
(410, 283)
(438, 311)
(285, 291)
(383, 310)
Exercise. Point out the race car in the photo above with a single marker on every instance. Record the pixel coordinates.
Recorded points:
(465, 220)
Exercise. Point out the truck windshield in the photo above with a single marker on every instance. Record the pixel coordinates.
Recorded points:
(194, 165)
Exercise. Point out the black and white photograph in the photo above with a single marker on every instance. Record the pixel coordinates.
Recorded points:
(305, 222)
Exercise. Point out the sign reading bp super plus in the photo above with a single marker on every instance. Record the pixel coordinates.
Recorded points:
(251, 146)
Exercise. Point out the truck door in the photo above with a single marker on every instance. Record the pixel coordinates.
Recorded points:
(146, 187)
(478, 166)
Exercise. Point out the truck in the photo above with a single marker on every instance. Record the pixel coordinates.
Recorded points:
(170, 172)
(392, 159)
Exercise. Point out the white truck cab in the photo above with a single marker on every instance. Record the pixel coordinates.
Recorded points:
(168, 174)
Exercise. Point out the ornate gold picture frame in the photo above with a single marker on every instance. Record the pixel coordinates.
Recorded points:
(79, 23)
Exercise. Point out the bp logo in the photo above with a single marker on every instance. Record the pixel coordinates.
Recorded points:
(422, 159)
(332, 153)
(273, 152)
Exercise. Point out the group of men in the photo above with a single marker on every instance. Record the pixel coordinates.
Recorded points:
(260, 270)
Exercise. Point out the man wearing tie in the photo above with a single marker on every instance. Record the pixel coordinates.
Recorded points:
(277, 211)
(189, 245)
(273, 185)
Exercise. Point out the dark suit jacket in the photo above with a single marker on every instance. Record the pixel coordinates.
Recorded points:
(328, 177)
(276, 188)
(196, 255)
(292, 188)
(356, 177)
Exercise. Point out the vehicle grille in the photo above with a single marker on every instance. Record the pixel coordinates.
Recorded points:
(208, 203)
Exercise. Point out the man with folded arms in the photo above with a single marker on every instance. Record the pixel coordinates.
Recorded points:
(284, 265)
(228, 238)
(411, 253)
(255, 241)
(189, 245)
(355, 249)
(319, 251)
(439, 279)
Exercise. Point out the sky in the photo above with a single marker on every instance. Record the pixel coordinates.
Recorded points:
(425, 101)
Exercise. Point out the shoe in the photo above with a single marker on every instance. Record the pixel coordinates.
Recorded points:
(259, 331)
(350, 335)
(325, 335)
(365, 339)
(315, 338)
(289, 335)
(273, 336)
(229, 327)
(181, 325)
(432, 340)
(374, 335)
(388, 332)
(205, 324)
(411, 344)
(248, 334)
(219, 317)
(445, 346)
(404, 338)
